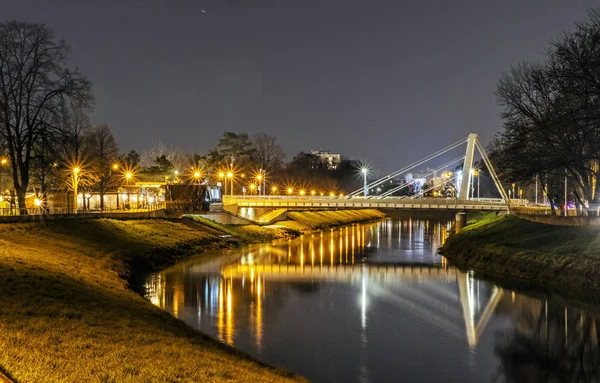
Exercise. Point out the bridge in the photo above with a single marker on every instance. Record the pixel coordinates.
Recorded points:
(293, 202)
(462, 181)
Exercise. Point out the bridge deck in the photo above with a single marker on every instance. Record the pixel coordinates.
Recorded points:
(367, 203)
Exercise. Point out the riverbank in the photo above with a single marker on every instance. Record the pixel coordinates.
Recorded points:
(559, 259)
(68, 313)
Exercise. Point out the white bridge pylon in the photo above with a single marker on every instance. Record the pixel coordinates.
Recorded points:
(472, 145)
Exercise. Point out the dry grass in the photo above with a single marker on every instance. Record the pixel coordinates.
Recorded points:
(67, 314)
(560, 258)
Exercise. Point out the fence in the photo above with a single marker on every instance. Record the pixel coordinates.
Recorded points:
(14, 211)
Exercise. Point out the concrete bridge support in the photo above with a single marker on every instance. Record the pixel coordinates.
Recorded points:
(461, 220)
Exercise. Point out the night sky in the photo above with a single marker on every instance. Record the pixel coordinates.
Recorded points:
(386, 81)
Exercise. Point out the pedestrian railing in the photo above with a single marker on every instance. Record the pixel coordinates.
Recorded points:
(14, 211)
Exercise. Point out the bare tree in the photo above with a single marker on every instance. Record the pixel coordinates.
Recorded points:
(267, 153)
(35, 87)
(105, 153)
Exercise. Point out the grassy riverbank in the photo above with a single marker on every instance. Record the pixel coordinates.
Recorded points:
(556, 258)
(68, 314)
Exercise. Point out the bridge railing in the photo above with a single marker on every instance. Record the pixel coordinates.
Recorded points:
(357, 201)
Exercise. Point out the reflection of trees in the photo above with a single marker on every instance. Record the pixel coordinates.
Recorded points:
(559, 346)
(305, 287)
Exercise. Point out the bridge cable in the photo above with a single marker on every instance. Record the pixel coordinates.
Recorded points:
(400, 187)
(409, 167)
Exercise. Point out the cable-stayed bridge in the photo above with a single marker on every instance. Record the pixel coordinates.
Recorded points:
(361, 198)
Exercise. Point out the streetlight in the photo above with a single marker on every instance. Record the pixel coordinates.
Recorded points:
(302, 192)
(75, 182)
(364, 170)
(290, 191)
(273, 190)
(197, 176)
(476, 173)
(252, 187)
(230, 176)
(313, 192)
(222, 177)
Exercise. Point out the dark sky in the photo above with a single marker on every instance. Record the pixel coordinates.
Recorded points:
(384, 81)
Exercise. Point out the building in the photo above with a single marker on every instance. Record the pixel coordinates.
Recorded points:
(331, 159)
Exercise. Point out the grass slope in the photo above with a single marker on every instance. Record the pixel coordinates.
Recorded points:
(68, 315)
(559, 258)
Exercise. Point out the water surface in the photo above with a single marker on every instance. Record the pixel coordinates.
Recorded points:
(376, 303)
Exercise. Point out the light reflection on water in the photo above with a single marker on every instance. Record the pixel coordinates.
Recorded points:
(375, 303)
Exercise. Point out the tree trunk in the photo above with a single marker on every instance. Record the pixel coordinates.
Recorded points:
(21, 201)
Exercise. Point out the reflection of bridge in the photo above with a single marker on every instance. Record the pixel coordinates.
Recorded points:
(345, 273)
(376, 277)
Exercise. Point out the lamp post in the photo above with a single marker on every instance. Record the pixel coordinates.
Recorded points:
(477, 175)
(222, 177)
(75, 180)
(230, 176)
(364, 170)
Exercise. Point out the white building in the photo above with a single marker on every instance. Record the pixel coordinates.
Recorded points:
(331, 159)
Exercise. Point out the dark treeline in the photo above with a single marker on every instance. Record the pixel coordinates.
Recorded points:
(551, 113)
(47, 143)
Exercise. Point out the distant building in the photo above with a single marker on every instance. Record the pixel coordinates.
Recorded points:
(331, 159)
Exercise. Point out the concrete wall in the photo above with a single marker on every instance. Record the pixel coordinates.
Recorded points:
(559, 221)
(54, 217)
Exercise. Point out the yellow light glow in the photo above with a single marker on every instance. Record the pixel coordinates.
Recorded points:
(1, 198)
(322, 194)
(229, 175)
(290, 190)
(196, 174)
(341, 194)
(4, 161)
(312, 192)
(221, 175)
(252, 187)
(128, 175)
(259, 177)
(274, 188)
(151, 199)
(76, 170)
(37, 202)
(302, 192)
(332, 194)
(115, 166)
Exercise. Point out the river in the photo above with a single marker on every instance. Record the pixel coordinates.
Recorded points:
(376, 303)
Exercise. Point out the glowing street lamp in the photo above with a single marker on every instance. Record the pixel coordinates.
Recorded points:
(230, 176)
(252, 187)
(365, 171)
(312, 192)
(302, 192)
(290, 191)
(197, 176)
(273, 189)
